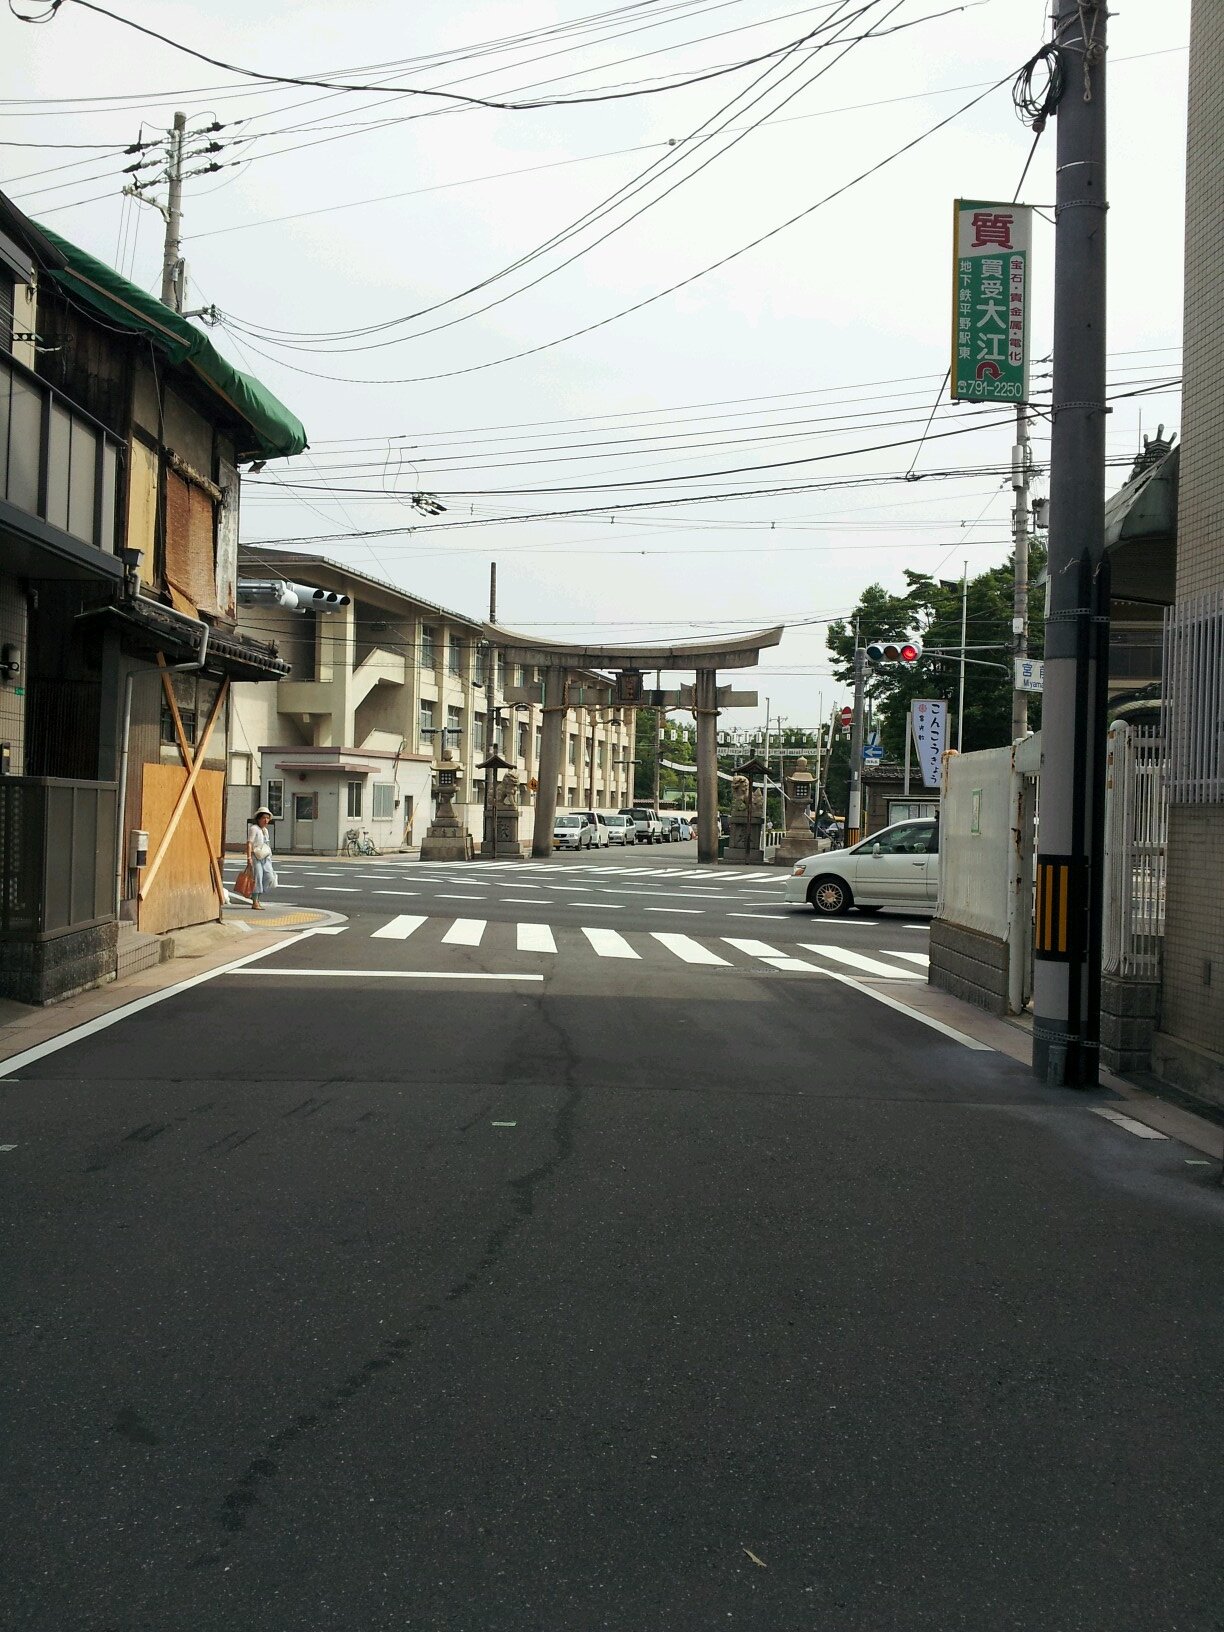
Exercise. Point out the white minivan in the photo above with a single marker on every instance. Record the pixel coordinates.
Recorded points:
(573, 832)
(897, 867)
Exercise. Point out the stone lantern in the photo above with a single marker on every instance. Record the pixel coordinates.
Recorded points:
(797, 840)
(446, 838)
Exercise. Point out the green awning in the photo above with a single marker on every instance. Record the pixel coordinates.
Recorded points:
(272, 431)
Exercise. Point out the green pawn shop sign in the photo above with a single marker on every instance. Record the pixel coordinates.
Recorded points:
(990, 302)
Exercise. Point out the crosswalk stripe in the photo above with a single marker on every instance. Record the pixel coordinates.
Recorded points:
(536, 938)
(687, 949)
(609, 944)
(398, 929)
(754, 949)
(856, 960)
(920, 958)
(465, 932)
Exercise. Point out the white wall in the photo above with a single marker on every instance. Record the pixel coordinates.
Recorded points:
(975, 827)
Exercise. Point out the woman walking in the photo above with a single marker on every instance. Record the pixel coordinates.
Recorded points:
(259, 856)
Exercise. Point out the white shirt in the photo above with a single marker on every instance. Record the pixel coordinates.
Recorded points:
(260, 840)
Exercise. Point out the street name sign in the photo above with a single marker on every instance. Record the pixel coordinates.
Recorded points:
(1030, 674)
(990, 301)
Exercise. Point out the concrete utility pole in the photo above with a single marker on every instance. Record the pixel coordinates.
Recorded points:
(1020, 563)
(1067, 936)
(658, 714)
(960, 706)
(854, 805)
(172, 263)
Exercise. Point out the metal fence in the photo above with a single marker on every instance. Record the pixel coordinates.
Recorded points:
(57, 855)
(1194, 699)
(1136, 827)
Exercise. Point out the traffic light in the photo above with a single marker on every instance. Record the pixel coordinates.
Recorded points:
(906, 652)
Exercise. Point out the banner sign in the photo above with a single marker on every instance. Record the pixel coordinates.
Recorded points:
(990, 301)
(929, 723)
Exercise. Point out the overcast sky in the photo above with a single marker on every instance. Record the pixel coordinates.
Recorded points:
(351, 210)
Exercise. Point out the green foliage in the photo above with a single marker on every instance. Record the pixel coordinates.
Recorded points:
(932, 610)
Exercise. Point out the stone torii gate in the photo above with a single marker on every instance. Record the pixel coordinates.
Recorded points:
(629, 663)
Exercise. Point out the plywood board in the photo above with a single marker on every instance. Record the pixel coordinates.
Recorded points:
(182, 892)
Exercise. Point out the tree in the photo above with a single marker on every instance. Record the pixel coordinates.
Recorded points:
(931, 609)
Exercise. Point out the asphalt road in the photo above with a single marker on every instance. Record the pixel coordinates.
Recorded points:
(617, 1290)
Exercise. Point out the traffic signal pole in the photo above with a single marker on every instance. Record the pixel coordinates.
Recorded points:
(1067, 934)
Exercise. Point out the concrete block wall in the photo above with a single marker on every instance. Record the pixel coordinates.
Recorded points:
(970, 965)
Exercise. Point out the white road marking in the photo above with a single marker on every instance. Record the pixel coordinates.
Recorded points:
(1139, 1129)
(465, 932)
(920, 958)
(521, 900)
(772, 916)
(336, 889)
(385, 974)
(856, 960)
(8, 1147)
(794, 964)
(609, 944)
(463, 898)
(395, 892)
(398, 929)
(688, 912)
(754, 949)
(602, 906)
(536, 938)
(687, 949)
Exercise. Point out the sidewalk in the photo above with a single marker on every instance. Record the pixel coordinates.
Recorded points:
(198, 950)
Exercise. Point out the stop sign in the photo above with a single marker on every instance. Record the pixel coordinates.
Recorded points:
(847, 716)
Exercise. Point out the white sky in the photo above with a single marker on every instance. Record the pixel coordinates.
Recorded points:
(808, 323)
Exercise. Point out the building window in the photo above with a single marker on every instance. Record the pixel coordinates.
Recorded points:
(305, 807)
(355, 791)
(276, 796)
(522, 742)
(454, 656)
(428, 646)
(426, 725)
(454, 726)
(539, 738)
(188, 718)
(501, 673)
(572, 753)
(478, 733)
(384, 801)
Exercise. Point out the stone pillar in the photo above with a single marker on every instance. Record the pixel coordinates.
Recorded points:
(797, 840)
(746, 843)
(502, 809)
(706, 700)
(552, 754)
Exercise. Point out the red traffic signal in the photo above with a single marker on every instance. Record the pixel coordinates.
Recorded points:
(894, 651)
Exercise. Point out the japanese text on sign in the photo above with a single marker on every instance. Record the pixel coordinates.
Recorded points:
(929, 723)
(990, 302)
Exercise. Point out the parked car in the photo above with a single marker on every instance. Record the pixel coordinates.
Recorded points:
(675, 828)
(621, 829)
(897, 867)
(573, 832)
(599, 824)
(646, 824)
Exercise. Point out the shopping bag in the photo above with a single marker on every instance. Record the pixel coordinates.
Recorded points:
(244, 884)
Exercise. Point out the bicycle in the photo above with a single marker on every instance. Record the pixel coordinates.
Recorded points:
(357, 842)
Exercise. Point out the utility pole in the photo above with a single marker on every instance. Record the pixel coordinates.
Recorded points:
(854, 805)
(172, 260)
(1020, 567)
(1067, 936)
(960, 707)
(658, 714)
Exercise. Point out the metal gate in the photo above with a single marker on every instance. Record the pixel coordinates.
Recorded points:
(1136, 829)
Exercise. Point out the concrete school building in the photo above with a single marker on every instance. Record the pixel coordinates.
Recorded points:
(121, 434)
(375, 690)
